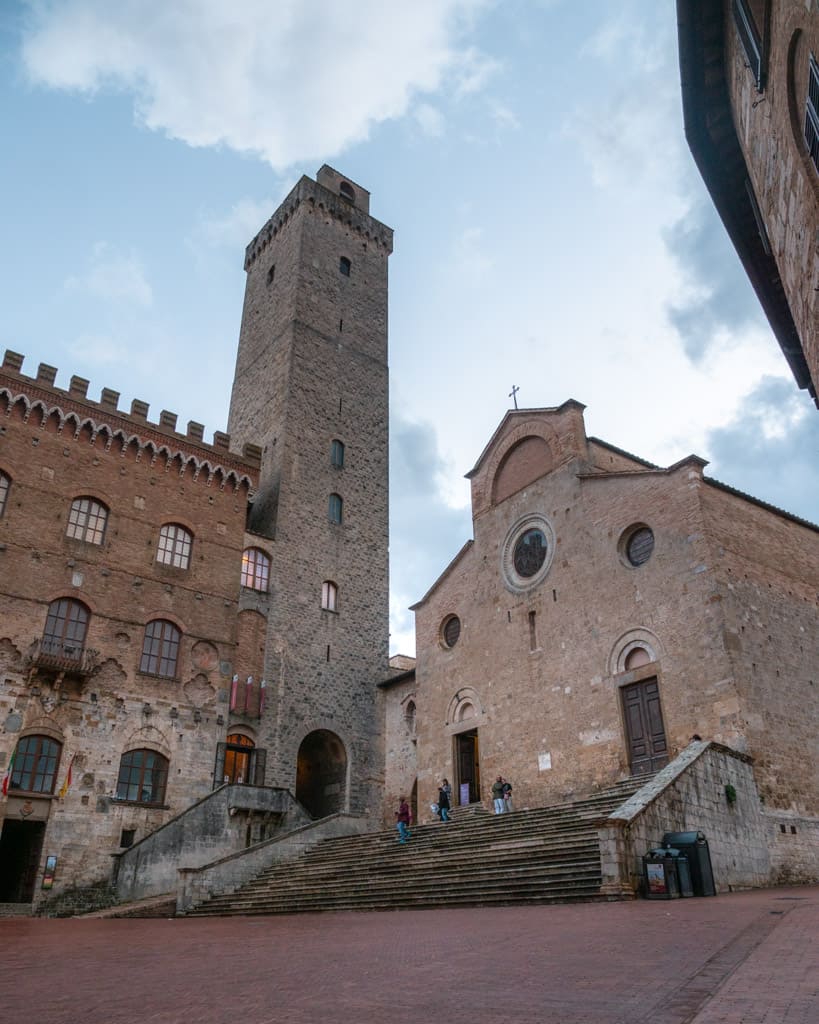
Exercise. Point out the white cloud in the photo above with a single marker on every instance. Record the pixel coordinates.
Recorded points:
(98, 350)
(291, 81)
(112, 276)
(235, 229)
(430, 119)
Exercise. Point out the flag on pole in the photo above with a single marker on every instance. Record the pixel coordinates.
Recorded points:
(67, 781)
(7, 776)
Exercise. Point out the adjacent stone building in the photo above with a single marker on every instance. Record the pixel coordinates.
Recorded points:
(176, 615)
(750, 90)
(606, 611)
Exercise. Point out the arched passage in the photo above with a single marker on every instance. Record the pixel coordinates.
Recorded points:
(321, 773)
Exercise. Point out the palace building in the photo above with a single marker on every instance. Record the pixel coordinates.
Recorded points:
(177, 615)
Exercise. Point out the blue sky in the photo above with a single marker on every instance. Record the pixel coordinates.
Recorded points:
(551, 229)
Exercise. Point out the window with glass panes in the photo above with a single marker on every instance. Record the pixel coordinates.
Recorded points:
(255, 569)
(87, 520)
(65, 629)
(142, 777)
(160, 649)
(174, 546)
(35, 764)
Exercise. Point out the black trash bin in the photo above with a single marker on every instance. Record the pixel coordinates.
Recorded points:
(694, 847)
(660, 880)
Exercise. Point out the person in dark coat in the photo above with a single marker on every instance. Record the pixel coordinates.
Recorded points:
(443, 801)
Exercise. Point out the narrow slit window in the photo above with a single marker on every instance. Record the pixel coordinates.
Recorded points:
(532, 631)
(344, 266)
(336, 508)
(337, 454)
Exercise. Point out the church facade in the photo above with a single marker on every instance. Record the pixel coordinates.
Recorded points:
(606, 611)
(177, 614)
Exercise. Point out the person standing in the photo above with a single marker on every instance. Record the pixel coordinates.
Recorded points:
(507, 797)
(403, 817)
(448, 790)
(497, 795)
(443, 801)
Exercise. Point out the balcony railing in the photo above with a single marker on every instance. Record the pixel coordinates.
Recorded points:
(63, 656)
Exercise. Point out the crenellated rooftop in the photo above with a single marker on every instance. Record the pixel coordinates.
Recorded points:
(105, 414)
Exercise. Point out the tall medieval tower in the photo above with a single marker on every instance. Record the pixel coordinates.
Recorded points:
(311, 388)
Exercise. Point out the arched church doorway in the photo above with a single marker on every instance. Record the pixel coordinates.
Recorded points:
(468, 769)
(321, 774)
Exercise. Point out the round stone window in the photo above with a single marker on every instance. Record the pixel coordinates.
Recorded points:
(637, 545)
(451, 631)
(527, 552)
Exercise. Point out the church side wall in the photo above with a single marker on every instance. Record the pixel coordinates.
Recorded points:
(768, 568)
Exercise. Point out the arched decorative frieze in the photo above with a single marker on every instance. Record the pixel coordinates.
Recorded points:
(629, 642)
(149, 737)
(465, 709)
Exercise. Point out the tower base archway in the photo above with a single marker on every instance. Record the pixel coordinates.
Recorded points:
(321, 774)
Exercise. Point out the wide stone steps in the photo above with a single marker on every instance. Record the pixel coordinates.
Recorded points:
(544, 855)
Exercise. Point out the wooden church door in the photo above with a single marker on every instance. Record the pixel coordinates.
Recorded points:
(645, 732)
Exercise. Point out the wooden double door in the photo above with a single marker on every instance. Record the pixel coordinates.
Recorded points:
(645, 731)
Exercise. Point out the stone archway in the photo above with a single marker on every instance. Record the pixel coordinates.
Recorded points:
(321, 774)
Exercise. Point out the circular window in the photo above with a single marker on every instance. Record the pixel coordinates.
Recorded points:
(451, 631)
(530, 553)
(637, 545)
(527, 552)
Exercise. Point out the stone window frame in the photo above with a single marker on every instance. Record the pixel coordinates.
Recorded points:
(625, 541)
(329, 596)
(337, 453)
(335, 509)
(174, 546)
(65, 629)
(512, 579)
(450, 631)
(345, 266)
(160, 649)
(87, 520)
(42, 762)
(346, 191)
(5, 487)
(134, 761)
(256, 570)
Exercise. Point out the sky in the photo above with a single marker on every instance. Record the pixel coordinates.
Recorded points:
(551, 230)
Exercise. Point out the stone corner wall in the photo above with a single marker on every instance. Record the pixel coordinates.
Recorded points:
(690, 794)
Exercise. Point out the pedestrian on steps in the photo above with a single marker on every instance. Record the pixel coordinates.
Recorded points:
(507, 797)
(443, 801)
(403, 819)
(497, 795)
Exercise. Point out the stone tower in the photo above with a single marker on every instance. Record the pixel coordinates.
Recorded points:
(311, 387)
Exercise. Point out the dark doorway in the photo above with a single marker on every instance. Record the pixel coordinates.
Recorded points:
(468, 766)
(321, 774)
(645, 733)
(414, 801)
(21, 843)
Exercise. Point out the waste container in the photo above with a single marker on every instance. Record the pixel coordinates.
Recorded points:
(683, 871)
(660, 880)
(694, 847)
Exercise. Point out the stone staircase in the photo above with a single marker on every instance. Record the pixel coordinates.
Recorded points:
(546, 855)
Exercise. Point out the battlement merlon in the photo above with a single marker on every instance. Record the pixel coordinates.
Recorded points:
(75, 400)
(339, 196)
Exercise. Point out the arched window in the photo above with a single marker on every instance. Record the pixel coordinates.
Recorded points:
(87, 520)
(174, 546)
(329, 596)
(35, 764)
(337, 454)
(160, 649)
(237, 759)
(335, 508)
(255, 569)
(142, 777)
(65, 629)
(346, 191)
(344, 266)
(5, 484)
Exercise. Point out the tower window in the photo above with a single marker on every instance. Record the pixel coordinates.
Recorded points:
(335, 508)
(329, 596)
(271, 273)
(344, 266)
(337, 454)
(65, 629)
(255, 569)
(346, 191)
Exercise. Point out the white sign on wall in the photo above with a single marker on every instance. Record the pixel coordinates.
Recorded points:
(544, 762)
